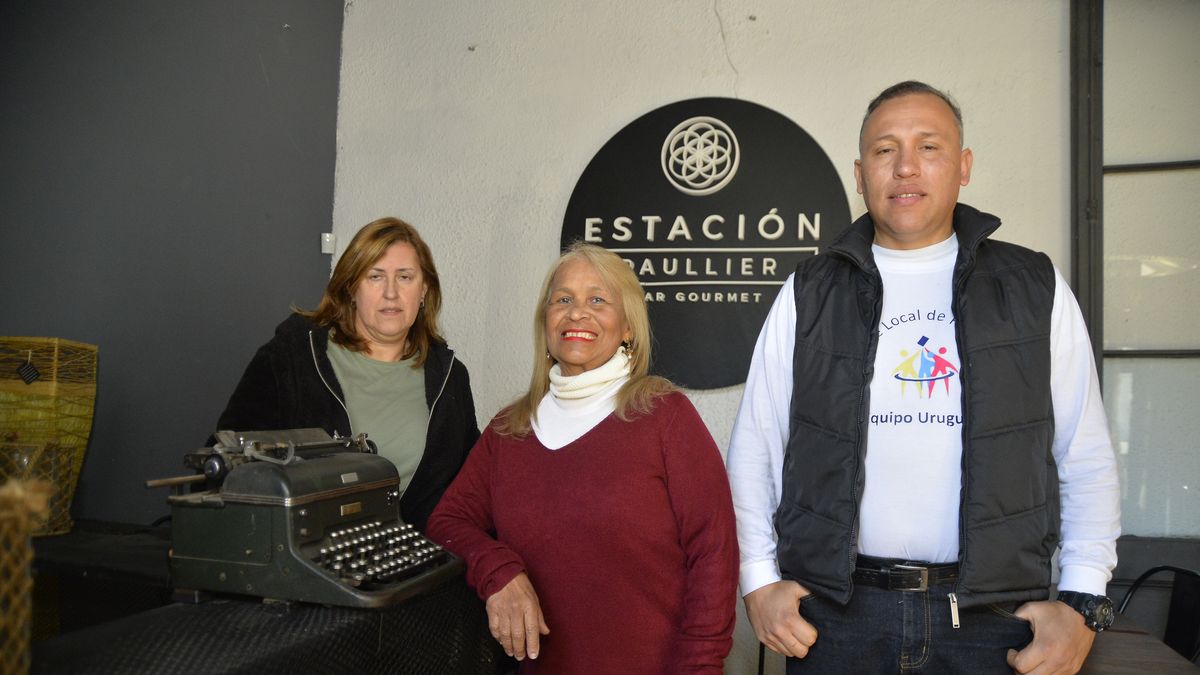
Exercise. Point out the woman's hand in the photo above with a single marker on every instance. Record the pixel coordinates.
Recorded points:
(515, 618)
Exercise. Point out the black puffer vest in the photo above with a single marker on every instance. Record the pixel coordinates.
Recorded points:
(1009, 504)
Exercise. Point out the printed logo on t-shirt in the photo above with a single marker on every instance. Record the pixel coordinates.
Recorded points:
(923, 369)
(919, 375)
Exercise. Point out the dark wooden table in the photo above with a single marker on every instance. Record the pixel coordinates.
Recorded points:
(1126, 648)
(85, 579)
(440, 631)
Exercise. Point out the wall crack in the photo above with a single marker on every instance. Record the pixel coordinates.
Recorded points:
(725, 48)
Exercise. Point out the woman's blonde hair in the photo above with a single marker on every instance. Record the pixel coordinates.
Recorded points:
(638, 395)
(336, 309)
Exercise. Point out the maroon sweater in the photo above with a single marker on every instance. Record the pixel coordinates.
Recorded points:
(627, 535)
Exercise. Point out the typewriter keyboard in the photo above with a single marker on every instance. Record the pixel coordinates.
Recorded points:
(377, 553)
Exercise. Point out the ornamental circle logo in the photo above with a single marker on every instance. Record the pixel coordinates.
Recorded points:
(700, 156)
(710, 252)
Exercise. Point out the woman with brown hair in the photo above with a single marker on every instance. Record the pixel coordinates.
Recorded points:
(594, 513)
(370, 359)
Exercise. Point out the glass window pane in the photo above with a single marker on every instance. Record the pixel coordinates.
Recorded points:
(1151, 57)
(1156, 435)
(1152, 260)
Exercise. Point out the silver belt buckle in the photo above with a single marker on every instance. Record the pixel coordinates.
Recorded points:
(924, 586)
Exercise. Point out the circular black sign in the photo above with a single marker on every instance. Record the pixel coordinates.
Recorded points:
(712, 202)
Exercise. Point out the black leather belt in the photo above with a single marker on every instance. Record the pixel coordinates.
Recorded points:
(901, 575)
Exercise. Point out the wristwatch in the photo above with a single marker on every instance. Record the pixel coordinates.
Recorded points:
(1097, 610)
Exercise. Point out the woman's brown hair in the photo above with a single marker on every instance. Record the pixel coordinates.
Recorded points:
(336, 309)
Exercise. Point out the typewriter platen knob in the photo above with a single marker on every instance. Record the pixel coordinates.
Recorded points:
(215, 467)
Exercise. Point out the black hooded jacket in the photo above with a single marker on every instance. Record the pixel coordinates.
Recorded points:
(290, 384)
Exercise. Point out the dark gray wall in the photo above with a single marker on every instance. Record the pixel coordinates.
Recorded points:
(166, 169)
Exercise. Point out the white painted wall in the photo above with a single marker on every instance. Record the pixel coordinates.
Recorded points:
(474, 119)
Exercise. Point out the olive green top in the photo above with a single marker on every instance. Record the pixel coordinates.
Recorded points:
(385, 400)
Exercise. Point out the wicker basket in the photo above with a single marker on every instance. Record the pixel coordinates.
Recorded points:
(21, 507)
(47, 399)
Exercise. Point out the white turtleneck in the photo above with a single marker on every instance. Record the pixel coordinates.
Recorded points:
(577, 403)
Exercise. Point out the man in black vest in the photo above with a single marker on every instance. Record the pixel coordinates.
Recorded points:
(921, 432)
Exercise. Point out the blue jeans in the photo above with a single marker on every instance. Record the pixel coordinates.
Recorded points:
(884, 631)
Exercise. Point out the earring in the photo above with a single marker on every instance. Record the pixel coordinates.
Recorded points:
(628, 348)
(548, 354)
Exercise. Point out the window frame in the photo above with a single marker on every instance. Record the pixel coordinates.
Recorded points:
(1135, 553)
(1087, 180)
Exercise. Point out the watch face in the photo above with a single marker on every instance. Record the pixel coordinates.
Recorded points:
(1104, 613)
(1098, 613)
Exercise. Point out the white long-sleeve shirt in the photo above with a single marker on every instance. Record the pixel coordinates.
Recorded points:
(1090, 495)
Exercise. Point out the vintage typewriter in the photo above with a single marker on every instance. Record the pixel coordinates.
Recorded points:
(297, 515)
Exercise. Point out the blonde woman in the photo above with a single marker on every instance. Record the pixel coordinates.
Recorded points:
(594, 512)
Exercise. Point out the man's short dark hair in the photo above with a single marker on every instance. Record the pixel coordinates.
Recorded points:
(907, 88)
